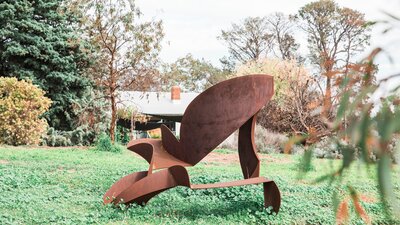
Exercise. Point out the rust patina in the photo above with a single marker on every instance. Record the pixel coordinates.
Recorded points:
(208, 120)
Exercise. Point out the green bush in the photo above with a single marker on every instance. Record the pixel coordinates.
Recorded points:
(81, 136)
(122, 135)
(104, 144)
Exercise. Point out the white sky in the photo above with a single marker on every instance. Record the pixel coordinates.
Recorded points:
(192, 26)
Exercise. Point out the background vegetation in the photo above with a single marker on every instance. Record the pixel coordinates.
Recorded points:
(82, 53)
(40, 41)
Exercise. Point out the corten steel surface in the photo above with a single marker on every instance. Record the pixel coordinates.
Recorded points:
(209, 119)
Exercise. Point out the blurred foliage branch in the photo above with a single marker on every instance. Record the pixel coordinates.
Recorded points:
(365, 125)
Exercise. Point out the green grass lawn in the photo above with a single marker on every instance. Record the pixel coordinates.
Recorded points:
(65, 186)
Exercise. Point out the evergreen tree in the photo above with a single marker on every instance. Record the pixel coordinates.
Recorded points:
(39, 41)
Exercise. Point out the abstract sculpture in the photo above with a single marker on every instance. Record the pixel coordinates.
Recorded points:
(208, 120)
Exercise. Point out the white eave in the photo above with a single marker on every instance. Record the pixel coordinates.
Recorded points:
(155, 103)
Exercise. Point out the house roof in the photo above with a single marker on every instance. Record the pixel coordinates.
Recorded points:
(155, 103)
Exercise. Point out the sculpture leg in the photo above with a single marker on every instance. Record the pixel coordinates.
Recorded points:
(121, 185)
(142, 190)
(272, 196)
(247, 149)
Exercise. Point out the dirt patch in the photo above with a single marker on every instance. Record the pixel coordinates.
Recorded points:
(4, 162)
(62, 169)
(25, 147)
(219, 158)
(60, 147)
(282, 160)
(367, 199)
(71, 171)
(232, 158)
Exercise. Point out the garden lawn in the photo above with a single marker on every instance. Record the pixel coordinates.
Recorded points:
(66, 185)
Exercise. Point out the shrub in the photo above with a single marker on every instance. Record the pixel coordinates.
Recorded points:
(21, 106)
(268, 141)
(93, 118)
(231, 142)
(328, 148)
(332, 148)
(104, 144)
(122, 135)
(81, 136)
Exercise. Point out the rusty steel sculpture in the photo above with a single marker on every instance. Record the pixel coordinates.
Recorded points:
(208, 120)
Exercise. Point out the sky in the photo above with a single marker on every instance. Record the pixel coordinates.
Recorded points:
(192, 26)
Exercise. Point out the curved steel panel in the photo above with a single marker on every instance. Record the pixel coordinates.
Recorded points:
(220, 110)
(144, 189)
(249, 161)
(121, 185)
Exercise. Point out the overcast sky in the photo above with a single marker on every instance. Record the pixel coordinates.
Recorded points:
(192, 26)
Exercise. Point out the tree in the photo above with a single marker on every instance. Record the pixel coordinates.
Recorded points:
(40, 42)
(127, 50)
(249, 40)
(281, 27)
(335, 34)
(259, 37)
(296, 97)
(192, 74)
(21, 105)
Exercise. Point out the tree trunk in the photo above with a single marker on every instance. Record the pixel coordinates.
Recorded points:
(328, 96)
(132, 128)
(112, 85)
(113, 117)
